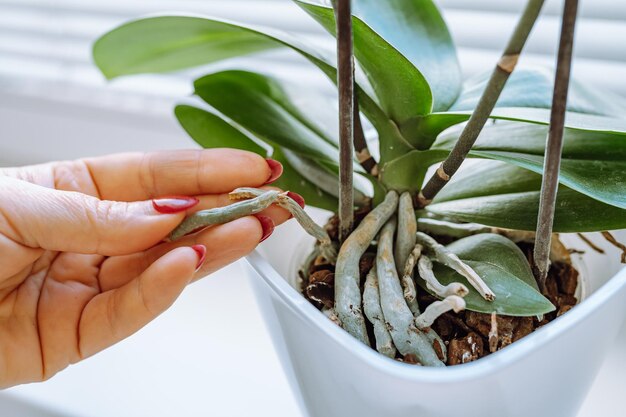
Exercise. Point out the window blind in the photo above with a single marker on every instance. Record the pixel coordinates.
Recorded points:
(45, 46)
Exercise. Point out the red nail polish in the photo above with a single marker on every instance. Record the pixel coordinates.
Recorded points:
(174, 204)
(297, 198)
(268, 226)
(276, 168)
(201, 252)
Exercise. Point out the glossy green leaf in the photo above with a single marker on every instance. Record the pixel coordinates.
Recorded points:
(478, 178)
(503, 266)
(169, 43)
(594, 163)
(249, 99)
(492, 248)
(407, 172)
(526, 98)
(401, 88)
(327, 177)
(533, 86)
(417, 29)
(316, 111)
(292, 180)
(503, 195)
(430, 126)
(211, 131)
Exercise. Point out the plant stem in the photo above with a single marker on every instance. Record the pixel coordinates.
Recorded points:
(485, 105)
(345, 84)
(554, 144)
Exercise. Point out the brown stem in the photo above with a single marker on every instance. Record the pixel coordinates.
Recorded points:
(345, 84)
(554, 145)
(485, 105)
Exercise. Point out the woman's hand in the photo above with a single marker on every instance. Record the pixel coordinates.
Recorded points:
(83, 264)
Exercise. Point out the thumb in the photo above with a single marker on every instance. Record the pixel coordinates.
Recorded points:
(40, 217)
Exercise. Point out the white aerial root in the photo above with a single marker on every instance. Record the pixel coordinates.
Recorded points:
(347, 272)
(374, 313)
(408, 339)
(451, 260)
(425, 268)
(457, 230)
(405, 235)
(408, 284)
(436, 309)
(410, 294)
(411, 261)
(327, 250)
(221, 215)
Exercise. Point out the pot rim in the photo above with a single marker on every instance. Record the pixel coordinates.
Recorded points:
(495, 362)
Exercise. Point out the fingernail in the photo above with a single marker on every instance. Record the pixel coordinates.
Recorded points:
(276, 168)
(297, 198)
(174, 204)
(268, 227)
(201, 252)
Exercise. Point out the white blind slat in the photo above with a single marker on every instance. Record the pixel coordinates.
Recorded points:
(48, 42)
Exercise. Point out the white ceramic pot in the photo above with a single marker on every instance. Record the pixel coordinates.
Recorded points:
(547, 373)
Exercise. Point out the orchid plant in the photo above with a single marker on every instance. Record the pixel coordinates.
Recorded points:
(409, 104)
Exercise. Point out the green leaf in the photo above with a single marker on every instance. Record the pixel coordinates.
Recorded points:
(504, 268)
(257, 103)
(326, 178)
(486, 178)
(492, 247)
(417, 29)
(503, 195)
(429, 127)
(402, 90)
(532, 87)
(291, 180)
(527, 98)
(594, 163)
(211, 131)
(169, 43)
(316, 111)
(407, 172)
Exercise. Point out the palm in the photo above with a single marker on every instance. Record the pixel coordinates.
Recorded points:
(47, 302)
